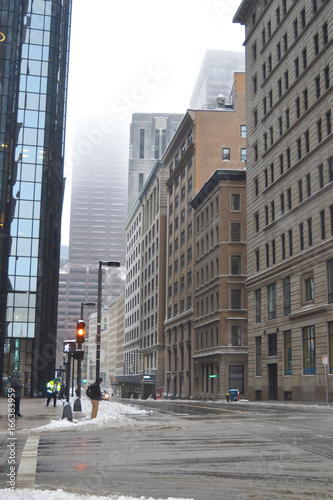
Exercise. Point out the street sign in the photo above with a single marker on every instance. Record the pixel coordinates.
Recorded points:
(149, 377)
(324, 360)
(212, 376)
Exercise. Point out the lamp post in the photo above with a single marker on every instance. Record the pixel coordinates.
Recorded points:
(86, 304)
(99, 311)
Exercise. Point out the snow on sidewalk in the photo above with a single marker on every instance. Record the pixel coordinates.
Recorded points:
(31, 494)
(110, 414)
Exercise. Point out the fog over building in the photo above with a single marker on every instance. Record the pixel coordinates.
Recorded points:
(150, 133)
(98, 212)
(216, 77)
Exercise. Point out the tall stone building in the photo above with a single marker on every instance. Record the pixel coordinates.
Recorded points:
(150, 134)
(34, 57)
(289, 53)
(112, 329)
(205, 141)
(133, 228)
(153, 277)
(144, 351)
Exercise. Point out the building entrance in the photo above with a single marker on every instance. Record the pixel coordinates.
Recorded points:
(272, 381)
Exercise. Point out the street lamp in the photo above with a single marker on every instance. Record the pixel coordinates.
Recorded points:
(99, 311)
(86, 304)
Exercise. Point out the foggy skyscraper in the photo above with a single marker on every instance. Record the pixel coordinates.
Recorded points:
(98, 212)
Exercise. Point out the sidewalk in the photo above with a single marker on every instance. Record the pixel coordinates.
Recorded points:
(35, 413)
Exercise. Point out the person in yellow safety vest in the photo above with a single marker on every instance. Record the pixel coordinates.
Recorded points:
(53, 389)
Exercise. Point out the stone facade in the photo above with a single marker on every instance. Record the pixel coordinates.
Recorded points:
(149, 135)
(289, 49)
(153, 200)
(131, 341)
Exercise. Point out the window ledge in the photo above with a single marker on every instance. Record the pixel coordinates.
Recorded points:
(307, 311)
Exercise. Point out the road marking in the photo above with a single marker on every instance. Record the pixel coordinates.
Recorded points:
(28, 464)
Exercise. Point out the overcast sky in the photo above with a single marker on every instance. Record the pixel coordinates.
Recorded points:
(132, 56)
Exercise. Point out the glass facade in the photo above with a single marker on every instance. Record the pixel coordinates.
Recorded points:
(33, 87)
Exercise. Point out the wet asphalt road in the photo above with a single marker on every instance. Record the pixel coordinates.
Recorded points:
(200, 451)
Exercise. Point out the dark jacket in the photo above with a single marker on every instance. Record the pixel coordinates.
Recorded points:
(17, 384)
(95, 391)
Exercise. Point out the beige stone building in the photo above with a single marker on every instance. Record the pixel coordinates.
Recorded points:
(131, 341)
(144, 351)
(220, 302)
(153, 200)
(206, 140)
(289, 52)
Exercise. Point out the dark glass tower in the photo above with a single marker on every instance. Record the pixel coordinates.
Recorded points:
(34, 53)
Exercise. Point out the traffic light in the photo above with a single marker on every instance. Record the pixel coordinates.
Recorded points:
(80, 331)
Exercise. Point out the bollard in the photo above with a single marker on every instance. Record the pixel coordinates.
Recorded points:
(67, 412)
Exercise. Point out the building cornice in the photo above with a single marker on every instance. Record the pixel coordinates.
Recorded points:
(180, 317)
(178, 137)
(218, 176)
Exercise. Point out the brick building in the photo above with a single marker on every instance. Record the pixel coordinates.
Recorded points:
(220, 302)
(206, 140)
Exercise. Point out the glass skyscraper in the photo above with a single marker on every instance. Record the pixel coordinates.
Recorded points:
(34, 53)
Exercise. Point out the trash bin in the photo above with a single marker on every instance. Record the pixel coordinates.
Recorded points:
(233, 394)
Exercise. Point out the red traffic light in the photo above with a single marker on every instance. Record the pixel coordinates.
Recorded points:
(80, 331)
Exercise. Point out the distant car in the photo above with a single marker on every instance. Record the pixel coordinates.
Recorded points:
(105, 395)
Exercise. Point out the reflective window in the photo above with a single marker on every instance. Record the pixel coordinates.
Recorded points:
(36, 36)
(25, 228)
(35, 52)
(22, 283)
(24, 247)
(38, 6)
(26, 190)
(30, 134)
(26, 209)
(37, 21)
(31, 118)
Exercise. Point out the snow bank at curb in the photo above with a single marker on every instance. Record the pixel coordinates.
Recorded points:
(27, 494)
(110, 415)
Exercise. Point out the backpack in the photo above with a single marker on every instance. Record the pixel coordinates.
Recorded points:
(89, 391)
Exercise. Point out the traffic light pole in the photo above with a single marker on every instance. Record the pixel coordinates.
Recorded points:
(79, 375)
(80, 338)
(68, 377)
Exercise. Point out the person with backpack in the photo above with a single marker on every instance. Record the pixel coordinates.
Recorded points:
(94, 393)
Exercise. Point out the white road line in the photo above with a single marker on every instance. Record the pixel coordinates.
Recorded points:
(26, 473)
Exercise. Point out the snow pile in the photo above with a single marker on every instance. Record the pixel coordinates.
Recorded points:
(26, 494)
(110, 414)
